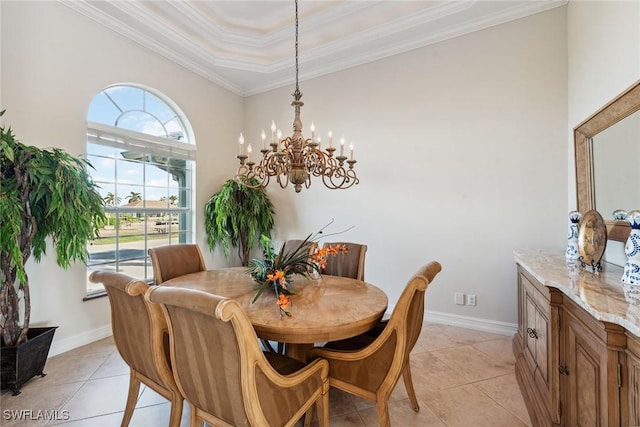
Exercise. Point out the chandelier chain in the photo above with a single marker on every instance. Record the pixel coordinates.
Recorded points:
(297, 87)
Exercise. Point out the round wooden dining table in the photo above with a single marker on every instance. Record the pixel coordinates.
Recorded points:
(326, 309)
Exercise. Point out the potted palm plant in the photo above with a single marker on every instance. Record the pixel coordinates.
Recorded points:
(46, 194)
(236, 216)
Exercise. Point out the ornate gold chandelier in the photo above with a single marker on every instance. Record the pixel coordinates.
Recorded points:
(296, 159)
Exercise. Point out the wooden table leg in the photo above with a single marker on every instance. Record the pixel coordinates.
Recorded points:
(298, 351)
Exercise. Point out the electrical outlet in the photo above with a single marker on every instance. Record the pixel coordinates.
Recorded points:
(471, 299)
(459, 298)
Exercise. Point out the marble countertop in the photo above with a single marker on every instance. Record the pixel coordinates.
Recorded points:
(601, 294)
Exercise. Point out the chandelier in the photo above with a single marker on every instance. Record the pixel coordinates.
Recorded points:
(296, 159)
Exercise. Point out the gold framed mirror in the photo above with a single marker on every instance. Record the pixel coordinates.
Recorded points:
(586, 141)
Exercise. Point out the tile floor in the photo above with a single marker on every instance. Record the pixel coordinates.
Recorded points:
(462, 378)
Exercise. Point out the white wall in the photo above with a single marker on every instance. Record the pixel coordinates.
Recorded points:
(53, 62)
(461, 155)
(604, 60)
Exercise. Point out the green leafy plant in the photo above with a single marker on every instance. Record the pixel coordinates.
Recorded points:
(46, 193)
(236, 216)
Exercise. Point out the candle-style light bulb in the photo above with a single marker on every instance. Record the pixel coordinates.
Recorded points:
(351, 151)
(279, 135)
(241, 141)
(342, 146)
(264, 139)
(313, 130)
(249, 151)
(319, 142)
(330, 139)
(273, 131)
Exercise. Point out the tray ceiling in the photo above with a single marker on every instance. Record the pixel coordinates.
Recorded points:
(248, 46)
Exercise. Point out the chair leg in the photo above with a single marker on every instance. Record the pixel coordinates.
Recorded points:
(383, 412)
(408, 384)
(322, 405)
(176, 411)
(132, 398)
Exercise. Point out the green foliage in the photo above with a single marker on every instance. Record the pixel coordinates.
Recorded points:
(236, 216)
(46, 193)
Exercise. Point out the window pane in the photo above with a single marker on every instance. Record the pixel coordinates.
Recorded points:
(142, 122)
(103, 110)
(126, 98)
(129, 172)
(147, 196)
(158, 108)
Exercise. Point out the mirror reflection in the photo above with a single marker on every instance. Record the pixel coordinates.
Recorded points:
(616, 160)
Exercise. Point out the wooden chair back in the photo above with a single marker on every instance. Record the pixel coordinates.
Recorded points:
(175, 260)
(369, 366)
(349, 265)
(222, 372)
(142, 338)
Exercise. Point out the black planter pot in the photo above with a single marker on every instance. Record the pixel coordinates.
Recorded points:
(22, 362)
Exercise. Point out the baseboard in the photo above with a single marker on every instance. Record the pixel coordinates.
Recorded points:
(60, 346)
(485, 325)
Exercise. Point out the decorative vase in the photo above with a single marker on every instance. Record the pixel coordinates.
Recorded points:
(631, 274)
(572, 239)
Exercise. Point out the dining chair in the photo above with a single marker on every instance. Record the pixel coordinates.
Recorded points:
(225, 376)
(349, 265)
(175, 260)
(142, 338)
(370, 364)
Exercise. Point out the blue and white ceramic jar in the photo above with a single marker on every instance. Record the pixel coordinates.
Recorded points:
(631, 274)
(572, 239)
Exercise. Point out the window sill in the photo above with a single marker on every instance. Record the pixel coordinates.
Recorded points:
(95, 295)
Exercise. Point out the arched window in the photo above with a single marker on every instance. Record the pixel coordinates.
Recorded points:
(143, 152)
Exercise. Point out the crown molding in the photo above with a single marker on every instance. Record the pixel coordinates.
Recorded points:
(259, 58)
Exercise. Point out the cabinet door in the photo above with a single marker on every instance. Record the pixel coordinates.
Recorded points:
(536, 330)
(633, 389)
(586, 397)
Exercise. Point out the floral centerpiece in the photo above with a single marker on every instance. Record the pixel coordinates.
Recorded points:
(276, 269)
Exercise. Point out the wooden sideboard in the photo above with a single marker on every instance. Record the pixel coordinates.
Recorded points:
(577, 347)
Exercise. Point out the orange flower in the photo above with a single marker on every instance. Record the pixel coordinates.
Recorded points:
(283, 302)
(278, 276)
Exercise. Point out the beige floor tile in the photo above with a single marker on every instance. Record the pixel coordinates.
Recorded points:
(466, 406)
(430, 373)
(73, 368)
(472, 364)
(105, 345)
(112, 366)
(506, 392)
(462, 377)
(500, 348)
(28, 408)
(149, 397)
(99, 397)
(401, 414)
(346, 420)
(340, 403)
